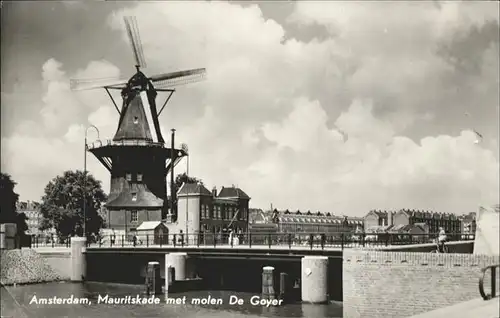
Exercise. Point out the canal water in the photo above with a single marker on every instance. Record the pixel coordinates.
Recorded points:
(16, 303)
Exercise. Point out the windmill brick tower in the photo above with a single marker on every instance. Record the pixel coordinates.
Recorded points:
(137, 157)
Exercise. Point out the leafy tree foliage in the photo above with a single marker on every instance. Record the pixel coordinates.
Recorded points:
(8, 203)
(62, 204)
(8, 199)
(184, 178)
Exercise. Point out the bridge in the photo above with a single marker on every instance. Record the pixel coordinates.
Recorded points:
(368, 266)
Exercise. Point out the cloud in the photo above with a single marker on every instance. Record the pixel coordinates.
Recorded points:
(271, 114)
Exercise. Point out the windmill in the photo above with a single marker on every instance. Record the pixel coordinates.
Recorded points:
(137, 157)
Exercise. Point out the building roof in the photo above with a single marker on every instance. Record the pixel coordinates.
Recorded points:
(126, 198)
(194, 188)
(233, 192)
(316, 218)
(378, 229)
(149, 225)
(428, 214)
(380, 213)
(133, 123)
(257, 215)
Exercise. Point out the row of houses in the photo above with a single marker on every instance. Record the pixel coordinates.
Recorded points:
(406, 220)
(229, 209)
(298, 222)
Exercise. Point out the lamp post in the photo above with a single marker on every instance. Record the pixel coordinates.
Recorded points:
(185, 149)
(85, 179)
(187, 201)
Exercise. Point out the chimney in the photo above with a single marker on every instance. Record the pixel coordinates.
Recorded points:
(390, 218)
(214, 191)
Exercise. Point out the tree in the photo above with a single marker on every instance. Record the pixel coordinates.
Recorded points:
(62, 204)
(8, 203)
(184, 178)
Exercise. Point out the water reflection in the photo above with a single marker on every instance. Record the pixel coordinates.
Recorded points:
(20, 297)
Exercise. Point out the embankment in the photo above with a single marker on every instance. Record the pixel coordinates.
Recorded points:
(26, 266)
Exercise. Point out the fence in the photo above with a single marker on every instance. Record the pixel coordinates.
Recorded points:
(307, 240)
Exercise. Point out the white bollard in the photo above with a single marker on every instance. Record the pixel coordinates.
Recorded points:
(268, 282)
(178, 262)
(314, 279)
(78, 260)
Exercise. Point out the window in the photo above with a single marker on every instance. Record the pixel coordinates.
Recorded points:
(128, 176)
(134, 217)
(218, 214)
(134, 196)
(139, 177)
(204, 211)
(136, 120)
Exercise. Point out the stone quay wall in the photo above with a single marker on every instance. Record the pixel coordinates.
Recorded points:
(27, 266)
(402, 284)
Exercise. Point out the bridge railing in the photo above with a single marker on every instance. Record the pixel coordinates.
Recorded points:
(259, 239)
(50, 240)
(493, 281)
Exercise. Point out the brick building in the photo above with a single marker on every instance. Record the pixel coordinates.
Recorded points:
(468, 224)
(451, 223)
(199, 210)
(378, 219)
(308, 222)
(32, 211)
(228, 209)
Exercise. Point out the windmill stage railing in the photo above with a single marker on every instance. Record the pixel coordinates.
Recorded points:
(302, 240)
(99, 143)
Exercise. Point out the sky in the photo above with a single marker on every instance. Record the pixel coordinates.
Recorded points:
(323, 106)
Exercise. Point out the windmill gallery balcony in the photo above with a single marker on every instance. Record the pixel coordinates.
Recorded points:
(104, 150)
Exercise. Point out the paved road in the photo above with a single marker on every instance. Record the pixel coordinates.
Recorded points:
(477, 308)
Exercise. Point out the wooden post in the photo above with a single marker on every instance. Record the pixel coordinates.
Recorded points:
(284, 287)
(153, 279)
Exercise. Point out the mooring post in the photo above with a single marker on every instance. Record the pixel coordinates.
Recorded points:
(78, 260)
(169, 278)
(284, 287)
(153, 279)
(268, 282)
(314, 279)
(179, 262)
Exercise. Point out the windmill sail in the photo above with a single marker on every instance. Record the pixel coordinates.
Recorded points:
(135, 40)
(139, 115)
(178, 74)
(87, 84)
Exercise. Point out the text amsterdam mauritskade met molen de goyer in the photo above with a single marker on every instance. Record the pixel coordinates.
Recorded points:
(152, 300)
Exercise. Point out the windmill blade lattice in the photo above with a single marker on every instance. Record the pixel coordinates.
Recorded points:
(180, 81)
(135, 40)
(172, 75)
(87, 84)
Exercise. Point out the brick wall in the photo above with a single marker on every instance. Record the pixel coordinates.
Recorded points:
(402, 284)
